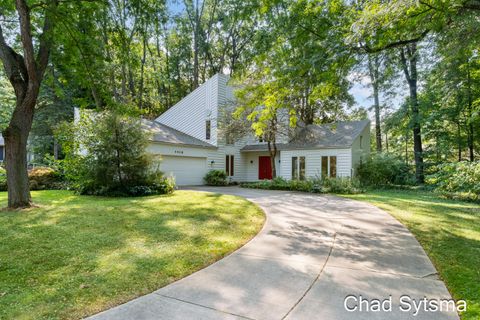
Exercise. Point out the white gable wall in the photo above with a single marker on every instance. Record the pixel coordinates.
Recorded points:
(361, 152)
(190, 114)
(218, 158)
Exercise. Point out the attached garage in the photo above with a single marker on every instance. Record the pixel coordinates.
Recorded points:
(186, 170)
(180, 156)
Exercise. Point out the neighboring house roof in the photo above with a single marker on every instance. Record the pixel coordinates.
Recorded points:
(165, 134)
(340, 134)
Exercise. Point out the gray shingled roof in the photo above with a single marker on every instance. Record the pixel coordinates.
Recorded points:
(165, 134)
(333, 135)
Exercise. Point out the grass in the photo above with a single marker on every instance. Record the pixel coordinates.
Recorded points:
(448, 230)
(74, 255)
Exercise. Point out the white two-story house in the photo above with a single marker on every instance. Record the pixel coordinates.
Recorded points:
(189, 143)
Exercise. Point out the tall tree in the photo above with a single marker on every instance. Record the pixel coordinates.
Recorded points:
(25, 73)
(374, 73)
(409, 60)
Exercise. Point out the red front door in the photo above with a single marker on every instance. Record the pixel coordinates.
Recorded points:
(264, 168)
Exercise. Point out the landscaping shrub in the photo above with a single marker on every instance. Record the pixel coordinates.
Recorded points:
(40, 178)
(342, 185)
(382, 169)
(106, 155)
(3, 179)
(317, 185)
(216, 178)
(459, 180)
(45, 178)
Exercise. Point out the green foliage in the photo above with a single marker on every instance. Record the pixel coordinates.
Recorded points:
(106, 155)
(7, 101)
(460, 180)
(317, 185)
(382, 169)
(216, 178)
(3, 179)
(45, 178)
(40, 178)
(339, 185)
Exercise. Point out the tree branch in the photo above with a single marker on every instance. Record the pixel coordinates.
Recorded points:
(394, 44)
(403, 59)
(14, 67)
(46, 39)
(26, 37)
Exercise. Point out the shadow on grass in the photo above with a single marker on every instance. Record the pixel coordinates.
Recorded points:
(77, 255)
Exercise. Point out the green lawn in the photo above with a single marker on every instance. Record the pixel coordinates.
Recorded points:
(448, 230)
(76, 255)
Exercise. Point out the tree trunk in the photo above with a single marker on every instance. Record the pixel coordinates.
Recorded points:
(417, 139)
(25, 73)
(470, 142)
(470, 114)
(16, 136)
(378, 130)
(409, 57)
(459, 141)
(272, 150)
(386, 140)
(142, 71)
(55, 149)
(373, 65)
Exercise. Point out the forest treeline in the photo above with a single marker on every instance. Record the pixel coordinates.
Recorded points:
(301, 55)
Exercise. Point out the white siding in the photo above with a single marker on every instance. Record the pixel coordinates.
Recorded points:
(189, 115)
(218, 156)
(156, 148)
(313, 161)
(251, 165)
(361, 152)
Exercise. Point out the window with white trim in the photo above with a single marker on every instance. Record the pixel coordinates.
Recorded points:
(229, 165)
(298, 168)
(329, 166)
(208, 128)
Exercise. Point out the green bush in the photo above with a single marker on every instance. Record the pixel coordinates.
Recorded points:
(382, 169)
(342, 185)
(216, 178)
(45, 178)
(3, 179)
(456, 179)
(40, 178)
(317, 185)
(106, 155)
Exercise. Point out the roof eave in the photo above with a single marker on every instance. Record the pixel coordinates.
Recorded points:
(184, 144)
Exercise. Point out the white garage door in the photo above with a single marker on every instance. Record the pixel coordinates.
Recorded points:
(186, 170)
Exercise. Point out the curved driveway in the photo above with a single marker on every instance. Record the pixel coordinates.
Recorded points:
(313, 252)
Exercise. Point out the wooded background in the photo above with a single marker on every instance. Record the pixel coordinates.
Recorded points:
(420, 59)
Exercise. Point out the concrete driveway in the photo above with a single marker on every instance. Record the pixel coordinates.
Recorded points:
(313, 252)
